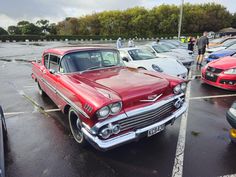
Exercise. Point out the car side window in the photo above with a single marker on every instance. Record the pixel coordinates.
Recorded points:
(45, 57)
(54, 62)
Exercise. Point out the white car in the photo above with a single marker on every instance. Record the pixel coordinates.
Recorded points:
(163, 51)
(142, 59)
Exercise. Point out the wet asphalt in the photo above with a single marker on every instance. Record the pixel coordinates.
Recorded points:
(40, 143)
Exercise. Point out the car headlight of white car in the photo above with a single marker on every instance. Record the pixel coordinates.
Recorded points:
(230, 71)
(157, 68)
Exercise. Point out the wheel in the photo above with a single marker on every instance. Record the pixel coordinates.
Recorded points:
(40, 90)
(75, 127)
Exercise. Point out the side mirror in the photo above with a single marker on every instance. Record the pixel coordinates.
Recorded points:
(125, 59)
(52, 71)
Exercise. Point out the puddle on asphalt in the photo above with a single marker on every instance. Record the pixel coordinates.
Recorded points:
(194, 133)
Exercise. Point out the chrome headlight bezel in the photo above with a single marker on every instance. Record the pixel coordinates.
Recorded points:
(177, 89)
(115, 108)
(180, 88)
(101, 115)
(111, 109)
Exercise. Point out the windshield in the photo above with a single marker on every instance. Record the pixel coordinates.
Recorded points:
(229, 43)
(141, 54)
(161, 48)
(169, 45)
(90, 60)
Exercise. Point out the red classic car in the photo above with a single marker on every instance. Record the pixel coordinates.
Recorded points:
(221, 73)
(108, 104)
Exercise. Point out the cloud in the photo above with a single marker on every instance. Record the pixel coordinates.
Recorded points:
(13, 11)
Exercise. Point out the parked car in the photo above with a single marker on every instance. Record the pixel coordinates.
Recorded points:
(3, 136)
(107, 103)
(219, 41)
(175, 48)
(224, 45)
(163, 51)
(230, 51)
(231, 118)
(177, 43)
(142, 59)
(221, 73)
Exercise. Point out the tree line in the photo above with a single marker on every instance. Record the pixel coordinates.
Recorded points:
(137, 21)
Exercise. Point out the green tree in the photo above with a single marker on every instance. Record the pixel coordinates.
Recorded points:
(44, 25)
(3, 31)
(14, 30)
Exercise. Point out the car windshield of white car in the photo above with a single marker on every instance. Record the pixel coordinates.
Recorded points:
(141, 54)
(161, 48)
(89, 60)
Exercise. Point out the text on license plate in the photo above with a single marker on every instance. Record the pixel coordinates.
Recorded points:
(155, 130)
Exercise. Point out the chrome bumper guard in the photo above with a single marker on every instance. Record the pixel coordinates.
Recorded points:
(130, 136)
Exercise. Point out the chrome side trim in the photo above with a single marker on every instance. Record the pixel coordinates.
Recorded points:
(77, 108)
(130, 136)
(135, 112)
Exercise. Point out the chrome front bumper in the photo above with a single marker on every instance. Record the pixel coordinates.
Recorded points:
(130, 136)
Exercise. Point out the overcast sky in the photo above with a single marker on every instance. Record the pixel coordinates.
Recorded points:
(12, 11)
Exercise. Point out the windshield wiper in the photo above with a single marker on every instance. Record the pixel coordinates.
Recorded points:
(92, 68)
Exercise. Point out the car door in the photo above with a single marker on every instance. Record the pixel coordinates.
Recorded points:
(51, 76)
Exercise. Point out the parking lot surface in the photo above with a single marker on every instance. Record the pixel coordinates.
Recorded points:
(40, 143)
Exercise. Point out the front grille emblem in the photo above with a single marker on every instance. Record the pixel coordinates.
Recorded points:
(152, 98)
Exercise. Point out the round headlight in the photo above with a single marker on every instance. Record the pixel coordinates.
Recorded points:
(183, 86)
(115, 108)
(105, 133)
(103, 112)
(116, 129)
(177, 89)
(157, 68)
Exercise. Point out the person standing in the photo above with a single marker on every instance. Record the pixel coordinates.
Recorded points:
(131, 43)
(202, 44)
(190, 43)
(118, 43)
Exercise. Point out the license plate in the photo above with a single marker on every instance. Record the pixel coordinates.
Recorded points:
(155, 130)
(210, 74)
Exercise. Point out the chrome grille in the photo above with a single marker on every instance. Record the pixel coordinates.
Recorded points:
(147, 118)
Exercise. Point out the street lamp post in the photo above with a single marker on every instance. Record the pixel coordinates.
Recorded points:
(180, 19)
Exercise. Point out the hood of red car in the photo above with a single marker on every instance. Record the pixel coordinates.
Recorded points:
(224, 63)
(130, 84)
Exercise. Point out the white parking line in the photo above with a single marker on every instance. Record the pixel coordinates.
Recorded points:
(13, 113)
(17, 113)
(179, 155)
(52, 110)
(29, 86)
(214, 96)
